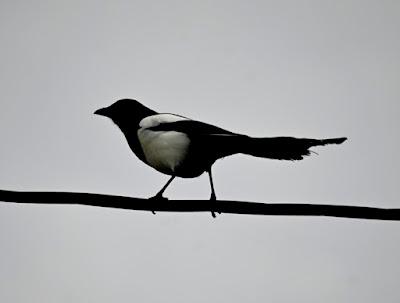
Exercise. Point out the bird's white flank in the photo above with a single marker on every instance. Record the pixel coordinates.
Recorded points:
(163, 150)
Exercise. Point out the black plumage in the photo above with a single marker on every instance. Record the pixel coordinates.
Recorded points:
(182, 147)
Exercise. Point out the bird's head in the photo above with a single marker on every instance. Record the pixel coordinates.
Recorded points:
(125, 112)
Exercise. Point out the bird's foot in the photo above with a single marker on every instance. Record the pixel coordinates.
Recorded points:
(158, 197)
(214, 199)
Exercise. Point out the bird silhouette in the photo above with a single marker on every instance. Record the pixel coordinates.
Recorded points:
(186, 148)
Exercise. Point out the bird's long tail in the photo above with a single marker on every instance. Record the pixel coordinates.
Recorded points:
(283, 148)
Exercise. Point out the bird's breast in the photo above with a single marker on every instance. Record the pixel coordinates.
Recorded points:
(164, 150)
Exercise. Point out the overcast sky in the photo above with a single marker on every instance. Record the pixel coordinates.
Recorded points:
(263, 68)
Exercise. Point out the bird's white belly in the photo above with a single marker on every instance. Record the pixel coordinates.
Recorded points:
(163, 150)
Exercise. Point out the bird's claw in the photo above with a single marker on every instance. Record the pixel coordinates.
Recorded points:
(214, 198)
(159, 198)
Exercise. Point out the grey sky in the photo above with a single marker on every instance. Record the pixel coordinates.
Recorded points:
(301, 68)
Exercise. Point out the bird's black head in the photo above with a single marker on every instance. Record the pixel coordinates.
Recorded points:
(125, 112)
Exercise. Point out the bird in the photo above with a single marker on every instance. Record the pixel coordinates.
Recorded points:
(182, 147)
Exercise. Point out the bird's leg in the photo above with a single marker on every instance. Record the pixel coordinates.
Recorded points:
(213, 196)
(159, 195)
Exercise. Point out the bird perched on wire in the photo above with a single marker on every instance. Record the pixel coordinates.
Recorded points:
(186, 148)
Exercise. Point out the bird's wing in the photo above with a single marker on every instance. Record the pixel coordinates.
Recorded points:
(205, 139)
(191, 128)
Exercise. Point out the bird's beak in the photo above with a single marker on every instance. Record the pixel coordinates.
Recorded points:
(102, 112)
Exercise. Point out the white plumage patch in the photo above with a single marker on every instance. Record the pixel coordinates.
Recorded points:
(156, 120)
(163, 150)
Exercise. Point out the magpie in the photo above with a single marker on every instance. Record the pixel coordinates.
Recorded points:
(186, 148)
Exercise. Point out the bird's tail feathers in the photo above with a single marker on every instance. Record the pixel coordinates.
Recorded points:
(332, 141)
(284, 148)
